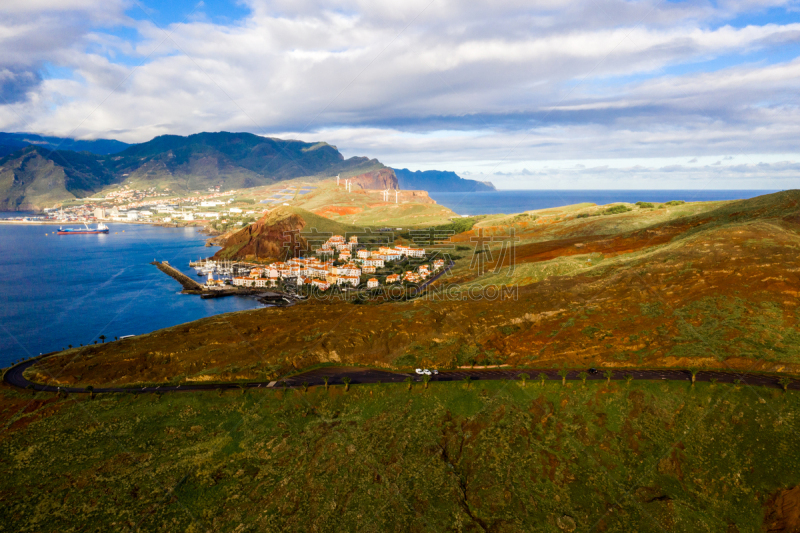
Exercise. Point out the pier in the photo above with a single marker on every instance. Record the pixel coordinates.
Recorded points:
(188, 284)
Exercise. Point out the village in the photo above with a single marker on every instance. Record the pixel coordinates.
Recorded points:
(343, 263)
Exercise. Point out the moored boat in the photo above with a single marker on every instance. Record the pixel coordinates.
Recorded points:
(86, 230)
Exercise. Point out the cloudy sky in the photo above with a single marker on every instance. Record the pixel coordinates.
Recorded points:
(570, 94)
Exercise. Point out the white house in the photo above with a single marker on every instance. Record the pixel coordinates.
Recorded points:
(410, 252)
(373, 262)
(320, 284)
(372, 283)
(350, 269)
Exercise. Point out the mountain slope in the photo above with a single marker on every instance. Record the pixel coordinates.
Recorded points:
(183, 164)
(35, 177)
(232, 160)
(439, 181)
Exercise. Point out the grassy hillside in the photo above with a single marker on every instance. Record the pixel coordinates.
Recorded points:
(368, 208)
(716, 288)
(491, 456)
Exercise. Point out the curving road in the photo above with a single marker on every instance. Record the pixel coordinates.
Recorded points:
(14, 376)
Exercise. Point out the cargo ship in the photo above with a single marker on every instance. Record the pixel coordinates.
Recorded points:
(86, 230)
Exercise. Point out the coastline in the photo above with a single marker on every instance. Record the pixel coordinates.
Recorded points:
(62, 223)
(96, 284)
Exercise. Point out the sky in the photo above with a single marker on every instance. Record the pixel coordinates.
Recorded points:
(535, 94)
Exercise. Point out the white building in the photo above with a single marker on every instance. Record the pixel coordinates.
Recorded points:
(373, 261)
(372, 283)
(410, 252)
(350, 269)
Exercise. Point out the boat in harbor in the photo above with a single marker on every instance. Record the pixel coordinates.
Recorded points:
(86, 230)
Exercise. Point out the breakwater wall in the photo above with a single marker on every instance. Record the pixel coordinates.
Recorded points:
(186, 282)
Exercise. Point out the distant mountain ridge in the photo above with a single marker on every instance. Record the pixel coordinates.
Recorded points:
(35, 177)
(38, 171)
(439, 181)
(11, 142)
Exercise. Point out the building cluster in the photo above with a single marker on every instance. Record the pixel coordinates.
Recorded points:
(423, 272)
(323, 272)
(133, 204)
(127, 195)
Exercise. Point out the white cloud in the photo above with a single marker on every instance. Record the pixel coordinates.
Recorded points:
(413, 83)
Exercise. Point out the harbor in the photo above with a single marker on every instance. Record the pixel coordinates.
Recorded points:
(221, 289)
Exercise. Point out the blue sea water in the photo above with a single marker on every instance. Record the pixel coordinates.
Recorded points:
(517, 201)
(61, 290)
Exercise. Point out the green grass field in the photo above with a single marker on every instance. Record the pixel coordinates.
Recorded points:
(488, 456)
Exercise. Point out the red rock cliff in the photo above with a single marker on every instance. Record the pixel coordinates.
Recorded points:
(269, 238)
(377, 179)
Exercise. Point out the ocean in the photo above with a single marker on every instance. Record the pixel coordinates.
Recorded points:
(61, 290)
(516, 201)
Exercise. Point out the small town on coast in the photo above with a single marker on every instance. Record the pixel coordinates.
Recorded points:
(150, 205)
(340, 262)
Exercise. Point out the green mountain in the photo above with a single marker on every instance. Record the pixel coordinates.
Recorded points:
(34, 177)
(439, 181)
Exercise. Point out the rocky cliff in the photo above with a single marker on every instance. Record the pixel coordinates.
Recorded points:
(381, 179)
(273, 237)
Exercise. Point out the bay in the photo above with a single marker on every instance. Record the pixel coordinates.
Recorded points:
(61, 290)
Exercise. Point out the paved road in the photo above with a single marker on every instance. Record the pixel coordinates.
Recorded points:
(357, 376)
(444, 271)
